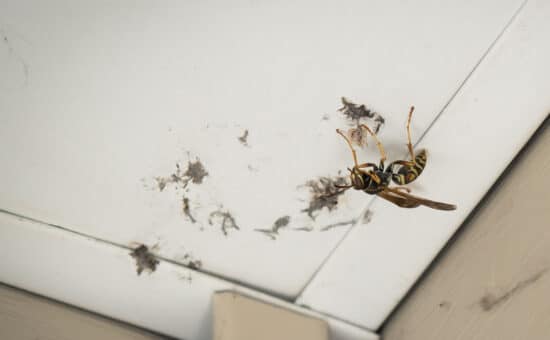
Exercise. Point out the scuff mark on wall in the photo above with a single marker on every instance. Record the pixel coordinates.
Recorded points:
(144, 259)
(25, 69)
(446, 305)
(489, 301)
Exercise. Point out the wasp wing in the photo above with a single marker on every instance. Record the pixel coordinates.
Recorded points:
(410, 200)
(398, 200)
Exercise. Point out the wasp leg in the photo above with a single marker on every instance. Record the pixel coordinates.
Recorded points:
(366, 165)
(402, 189)
(353, 153)
(378, 143)
(409, 144)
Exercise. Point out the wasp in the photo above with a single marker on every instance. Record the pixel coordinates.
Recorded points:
(375, 179)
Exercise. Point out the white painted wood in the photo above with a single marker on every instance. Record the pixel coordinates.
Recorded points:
(99, 99)
(469, 146)
(101, 277)
(492, 282)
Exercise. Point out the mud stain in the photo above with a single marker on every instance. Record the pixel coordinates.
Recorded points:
(224, 219)
(273, 232)
(324, 194)
(244, 138)
(356, 113)
(489, 301)
(144, 259)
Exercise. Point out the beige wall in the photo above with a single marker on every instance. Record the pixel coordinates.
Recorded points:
(25, 316)
(493, 281)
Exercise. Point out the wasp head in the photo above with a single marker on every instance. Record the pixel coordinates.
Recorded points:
(357, 178)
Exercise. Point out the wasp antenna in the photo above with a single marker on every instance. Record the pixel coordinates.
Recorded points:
(350, 146)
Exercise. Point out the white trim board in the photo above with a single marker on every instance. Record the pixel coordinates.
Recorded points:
(471, 143)
(101, 277)
(101, 99)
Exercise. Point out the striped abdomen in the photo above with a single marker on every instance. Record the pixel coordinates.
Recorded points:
(409, 171)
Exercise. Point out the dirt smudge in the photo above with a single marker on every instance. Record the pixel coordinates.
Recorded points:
(189, 261)
(273, 232)
(194, 173)
(224, 219)
(356, 113)
(324, 194)
(489, 301)
(144, 259)
(446, 305)
(339, 224)
(306, 229)
(367, 217)
(244, 138)
(187, 209)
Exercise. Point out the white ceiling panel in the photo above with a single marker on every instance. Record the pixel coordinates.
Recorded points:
(100, 102)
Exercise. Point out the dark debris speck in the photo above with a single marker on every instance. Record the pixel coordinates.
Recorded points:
(194, 173)
(144, 259)
(225, 219)
(244, 138)
(272, 233)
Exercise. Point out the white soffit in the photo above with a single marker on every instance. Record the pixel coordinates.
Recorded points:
(473, 141)
(99, 100)
(101, 277)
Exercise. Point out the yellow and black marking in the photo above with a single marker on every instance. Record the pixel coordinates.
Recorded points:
(409, 171)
